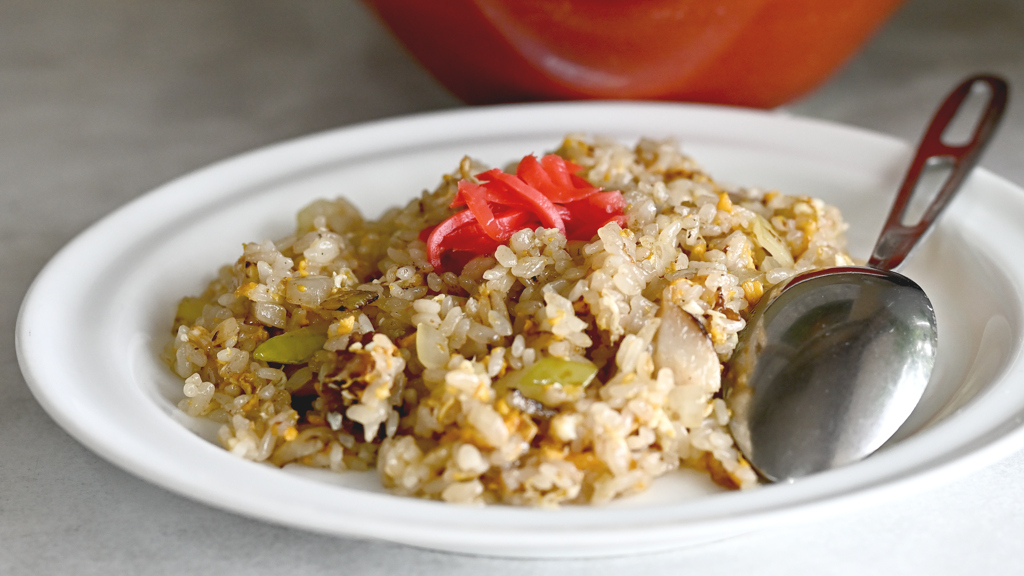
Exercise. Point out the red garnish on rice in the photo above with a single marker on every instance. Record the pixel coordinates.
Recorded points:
(543, 192)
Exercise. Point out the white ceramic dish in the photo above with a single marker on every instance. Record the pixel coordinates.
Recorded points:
(94, 321)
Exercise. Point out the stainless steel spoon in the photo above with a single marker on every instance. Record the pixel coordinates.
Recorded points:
(833, 362)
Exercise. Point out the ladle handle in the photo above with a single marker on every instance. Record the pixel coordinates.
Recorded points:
(897, 239)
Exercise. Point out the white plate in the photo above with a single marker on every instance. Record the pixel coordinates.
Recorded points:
(94, 321)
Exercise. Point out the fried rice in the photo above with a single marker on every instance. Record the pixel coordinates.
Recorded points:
(419, 373)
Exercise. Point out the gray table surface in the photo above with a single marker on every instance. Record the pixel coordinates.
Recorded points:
(102, 100)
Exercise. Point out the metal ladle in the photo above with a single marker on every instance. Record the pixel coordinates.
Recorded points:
(832, 362)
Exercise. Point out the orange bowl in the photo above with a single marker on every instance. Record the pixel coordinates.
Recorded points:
(759, 53)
